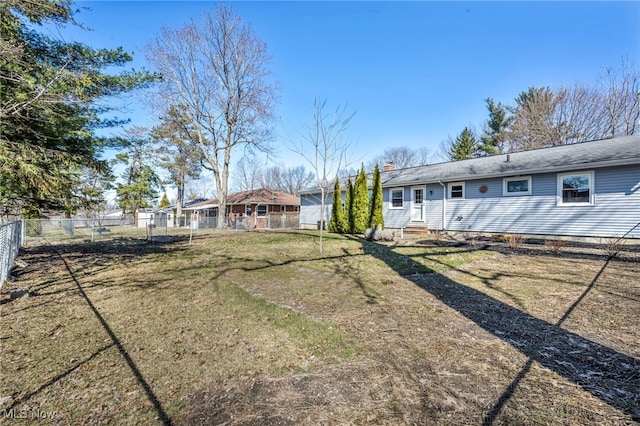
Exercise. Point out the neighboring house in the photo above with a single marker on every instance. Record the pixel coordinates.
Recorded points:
(589, 189)
(168, 215)
(257, 208)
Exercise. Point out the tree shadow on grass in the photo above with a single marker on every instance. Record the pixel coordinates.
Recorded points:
(162, 415)
(74, 254)
(609, 375)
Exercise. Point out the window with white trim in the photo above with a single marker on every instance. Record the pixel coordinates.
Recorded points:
(397, 198)
(575, 189)
(261, 210)
(516, 186)
(456, 190)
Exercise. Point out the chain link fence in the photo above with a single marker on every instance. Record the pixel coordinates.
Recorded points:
(37, 231)
(10, 243)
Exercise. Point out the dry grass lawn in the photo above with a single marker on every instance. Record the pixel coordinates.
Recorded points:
(257, 328)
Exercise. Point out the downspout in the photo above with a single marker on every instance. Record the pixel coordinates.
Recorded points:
(444, 205)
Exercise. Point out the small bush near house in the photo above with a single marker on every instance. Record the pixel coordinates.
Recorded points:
(472, 239)
(555, 246)
(437, 234)
(612, 246)
(513, 240)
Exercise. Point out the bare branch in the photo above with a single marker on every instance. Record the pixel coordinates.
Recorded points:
(217, 69)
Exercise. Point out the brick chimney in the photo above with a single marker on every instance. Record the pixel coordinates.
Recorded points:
(389, 167)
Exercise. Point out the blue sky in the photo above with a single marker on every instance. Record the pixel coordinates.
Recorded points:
(414, 72)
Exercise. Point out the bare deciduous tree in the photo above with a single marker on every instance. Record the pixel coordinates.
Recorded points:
(323, 147)
(201, 187)
(545, 117)
(621, 92)
(286, 179)
(401, 157)
(217, 70)
(247, 174)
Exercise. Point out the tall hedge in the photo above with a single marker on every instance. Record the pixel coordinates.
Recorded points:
(360, 211)
(337, 222)
(348, 214)
(375, 203)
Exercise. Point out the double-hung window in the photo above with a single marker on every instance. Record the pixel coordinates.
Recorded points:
(456, 190)
(576, 189)
(261, 210)
(397, 198)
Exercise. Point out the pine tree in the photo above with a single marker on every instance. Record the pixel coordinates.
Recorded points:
(375, 204)
(337, 222)
(164, 201)
(348, 214)
(493, 139)
(360, 203)
(465, 146)
(51, 93)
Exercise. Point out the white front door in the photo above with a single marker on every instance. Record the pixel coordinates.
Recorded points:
(417, 204)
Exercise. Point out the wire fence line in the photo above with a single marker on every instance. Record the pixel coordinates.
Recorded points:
(37, 231)
(10, 243)
(15, 234)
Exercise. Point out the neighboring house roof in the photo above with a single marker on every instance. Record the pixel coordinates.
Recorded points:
(256, 196)
(185, 205)
(624, 150)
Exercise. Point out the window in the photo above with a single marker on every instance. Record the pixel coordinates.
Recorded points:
(517, 186)
(456, 190)
(261, 210)
(283, 208)
(575, 188)
(397, 198)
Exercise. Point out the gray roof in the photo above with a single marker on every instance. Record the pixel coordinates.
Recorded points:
(620, 151)
(601, 153)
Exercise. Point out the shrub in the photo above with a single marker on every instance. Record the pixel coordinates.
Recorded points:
(555, 246)
(612, 246)
(513, 240)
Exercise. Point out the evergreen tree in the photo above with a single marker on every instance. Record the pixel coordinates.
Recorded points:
(493, 139)
(465, 146)
(337, 223)
(140, 191)
(164, 201)
(348, 214)
(49, 95)
(360, 203)
(375, 204)
(140, 183)
(178, 151)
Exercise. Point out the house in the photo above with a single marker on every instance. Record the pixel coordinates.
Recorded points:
(589, 189)
(168, 216)
(257, 208)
